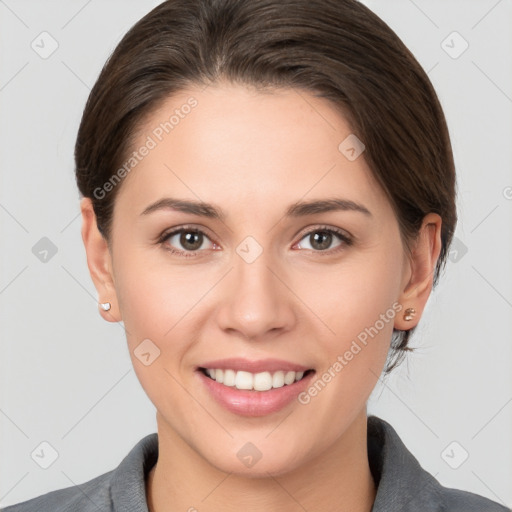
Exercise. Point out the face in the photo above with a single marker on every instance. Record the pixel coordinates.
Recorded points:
(257, 281)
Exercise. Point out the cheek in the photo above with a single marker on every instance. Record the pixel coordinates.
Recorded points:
(164, 303)
(153, 295)
(357, 303)
(353, 296)
(154, 303)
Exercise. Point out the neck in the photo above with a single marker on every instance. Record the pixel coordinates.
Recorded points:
(338, 480)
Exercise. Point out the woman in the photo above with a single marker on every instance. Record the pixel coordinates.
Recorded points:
(268, 199)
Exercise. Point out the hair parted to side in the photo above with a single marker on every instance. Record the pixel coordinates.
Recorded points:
(335, 49)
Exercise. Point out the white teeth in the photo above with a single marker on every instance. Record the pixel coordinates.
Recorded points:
(243, 380)
(262, 381)
(289, 378)
(278, 380)
(229, 377)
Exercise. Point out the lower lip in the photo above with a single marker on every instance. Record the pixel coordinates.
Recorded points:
(254, 403)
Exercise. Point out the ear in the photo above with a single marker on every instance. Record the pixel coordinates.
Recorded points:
(418, 283)
(99, 261)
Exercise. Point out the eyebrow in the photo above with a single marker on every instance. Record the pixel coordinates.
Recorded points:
(298, 209)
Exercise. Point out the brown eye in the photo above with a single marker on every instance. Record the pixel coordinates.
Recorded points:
(191, 240)
(321, 240)
(185, 240)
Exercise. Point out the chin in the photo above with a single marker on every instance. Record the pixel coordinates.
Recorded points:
(249, 461)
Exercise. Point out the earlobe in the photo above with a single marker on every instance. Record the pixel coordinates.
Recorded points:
(423, 260)
(99, 262)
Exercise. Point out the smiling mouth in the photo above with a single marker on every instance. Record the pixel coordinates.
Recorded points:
(261, 381)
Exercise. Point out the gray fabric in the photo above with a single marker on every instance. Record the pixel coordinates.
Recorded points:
(402, 483)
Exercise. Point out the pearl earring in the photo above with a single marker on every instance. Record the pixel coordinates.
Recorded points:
(105, 306)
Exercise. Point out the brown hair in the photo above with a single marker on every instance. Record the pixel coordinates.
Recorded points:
(336, 49)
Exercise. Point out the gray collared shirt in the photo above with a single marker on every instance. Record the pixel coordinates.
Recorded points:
(402, 484)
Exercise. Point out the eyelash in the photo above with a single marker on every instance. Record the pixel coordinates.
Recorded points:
(347, 241)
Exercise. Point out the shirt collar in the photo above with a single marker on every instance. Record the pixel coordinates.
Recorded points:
(402, 484)
(129, 479)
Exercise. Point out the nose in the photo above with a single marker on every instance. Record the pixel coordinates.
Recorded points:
(257, 302)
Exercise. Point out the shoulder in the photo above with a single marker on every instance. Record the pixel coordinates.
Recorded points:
(402, 484)
(93, 495)
(455, 500)
(434, 497)
(120, 489)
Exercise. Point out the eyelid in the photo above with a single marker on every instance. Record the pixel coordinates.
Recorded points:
(346, 238)
(343, 234)
(179, 229)
(186, 227)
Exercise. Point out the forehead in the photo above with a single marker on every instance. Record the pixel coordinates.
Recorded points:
(231, 142)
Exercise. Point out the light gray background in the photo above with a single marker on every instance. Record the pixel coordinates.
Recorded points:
(66, 376)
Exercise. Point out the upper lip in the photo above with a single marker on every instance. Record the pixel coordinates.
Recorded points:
(262, 365)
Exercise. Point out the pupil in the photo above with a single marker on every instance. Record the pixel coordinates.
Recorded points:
(326, 239)
(187, 240)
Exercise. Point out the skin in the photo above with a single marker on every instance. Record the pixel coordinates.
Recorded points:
(253, 154)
